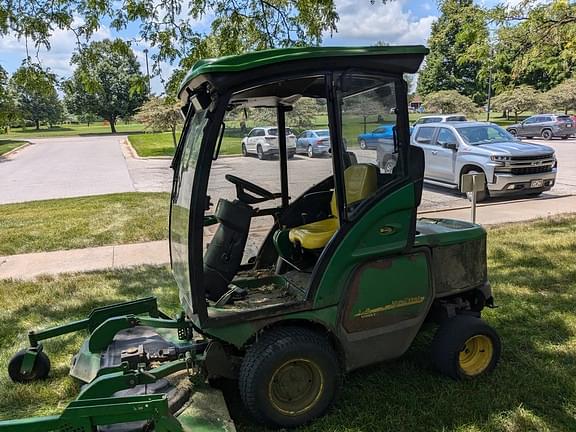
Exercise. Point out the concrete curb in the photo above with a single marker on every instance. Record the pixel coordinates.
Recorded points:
(134, 154)
(17, 149)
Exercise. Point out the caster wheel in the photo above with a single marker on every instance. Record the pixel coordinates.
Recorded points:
(39, 371)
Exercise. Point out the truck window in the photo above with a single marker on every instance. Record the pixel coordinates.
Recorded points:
(424, 135)
(445, 136)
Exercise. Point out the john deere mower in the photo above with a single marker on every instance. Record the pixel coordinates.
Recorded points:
(344, 275)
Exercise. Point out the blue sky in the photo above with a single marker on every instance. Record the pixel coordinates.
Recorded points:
(361, 23)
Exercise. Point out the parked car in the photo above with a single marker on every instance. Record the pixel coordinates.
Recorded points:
(313, 142)
(546, 126)
(263, 142)
(453, 149)
(440, 118)
(383, 133)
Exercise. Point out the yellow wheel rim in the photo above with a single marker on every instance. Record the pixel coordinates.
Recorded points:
(476, 355)
(296, 386)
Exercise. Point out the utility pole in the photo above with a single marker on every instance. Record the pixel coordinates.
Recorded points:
(489, 92)
(147, 70)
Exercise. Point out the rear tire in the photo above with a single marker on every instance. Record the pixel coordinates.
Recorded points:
(465, 347)
(363, 145)
(388, 165)
(310, 151)
(547, 134)
(40, 370)
(513, 132)
(260, 153)
(290, 376)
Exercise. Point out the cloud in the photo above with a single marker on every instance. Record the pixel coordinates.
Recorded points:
(362, 22)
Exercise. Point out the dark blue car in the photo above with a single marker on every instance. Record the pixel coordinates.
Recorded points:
(313, 142)
(383, 133)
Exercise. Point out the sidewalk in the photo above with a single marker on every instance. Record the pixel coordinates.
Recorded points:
(28, 266)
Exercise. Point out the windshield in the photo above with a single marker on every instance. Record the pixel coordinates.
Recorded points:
(184, 171)
(323, 133)
(484, 134)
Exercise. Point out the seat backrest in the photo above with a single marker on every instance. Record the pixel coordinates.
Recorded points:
(361, 181)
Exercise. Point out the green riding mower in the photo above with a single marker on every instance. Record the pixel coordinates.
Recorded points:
(344, 274)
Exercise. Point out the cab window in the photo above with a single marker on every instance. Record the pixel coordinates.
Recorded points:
(446, 136)
(424, 135)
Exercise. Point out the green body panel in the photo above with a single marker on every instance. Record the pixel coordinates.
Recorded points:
(378, 294)
(257, 59)
(444, 232)
(365, 241)
(239, 333)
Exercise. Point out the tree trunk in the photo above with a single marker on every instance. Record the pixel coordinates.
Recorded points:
(515, 116)
(37, 124)
(112, 121)
(174, 136)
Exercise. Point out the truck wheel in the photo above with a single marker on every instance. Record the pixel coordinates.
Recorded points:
(388, 165)
(465, 347)
(482, 195)
(39, 371)
(363, 145)
(289, 377)
(260, 153)
(547, 134)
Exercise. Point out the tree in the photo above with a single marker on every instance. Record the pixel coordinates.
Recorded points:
(169, 26)
(520, 99)
(8, 111)
(450, 65)
(160, 114)
(36, 95)
(563, 96)
(107, 82)
(449, 101)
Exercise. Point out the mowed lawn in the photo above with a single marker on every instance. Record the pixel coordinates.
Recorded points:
(533, 275)
(73, 129)
(83, 222)
(7, 145)
(161, 144)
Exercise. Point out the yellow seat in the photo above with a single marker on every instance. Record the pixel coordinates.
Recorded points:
(361, 182)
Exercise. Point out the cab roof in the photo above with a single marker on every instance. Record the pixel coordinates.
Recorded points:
(394, 59)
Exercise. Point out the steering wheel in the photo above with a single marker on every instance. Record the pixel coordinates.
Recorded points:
(259, 194)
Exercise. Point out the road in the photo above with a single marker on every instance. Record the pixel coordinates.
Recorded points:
(78, 166)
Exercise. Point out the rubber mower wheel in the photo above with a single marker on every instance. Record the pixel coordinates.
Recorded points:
(465, 347)
(39, 371)
(290, 376)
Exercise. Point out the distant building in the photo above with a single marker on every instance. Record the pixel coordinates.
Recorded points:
(415, 103)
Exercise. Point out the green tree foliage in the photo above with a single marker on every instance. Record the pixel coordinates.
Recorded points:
(520, 99)
(160, 114)
(449, 101)
(107, 82)
(536, 43)
(36, 95)
(563, 96)
(8, 111)
(450, 65)
(169, 26)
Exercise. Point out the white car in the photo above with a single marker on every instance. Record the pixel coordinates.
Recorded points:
(263, 142)
(440, 118)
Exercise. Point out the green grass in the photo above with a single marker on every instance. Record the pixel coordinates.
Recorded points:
(71, 130)
(83, 222)
(533, 275)
(9, 145)
(161, 144)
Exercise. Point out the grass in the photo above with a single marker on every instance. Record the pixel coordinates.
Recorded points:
(9, 145)
(161, 144)
(533, 274)
(83, 222)
(73, 129)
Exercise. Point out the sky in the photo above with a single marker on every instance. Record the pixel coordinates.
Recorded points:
(400, 22)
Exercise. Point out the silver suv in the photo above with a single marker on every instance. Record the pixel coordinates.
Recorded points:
(546, 126)
(454, 149)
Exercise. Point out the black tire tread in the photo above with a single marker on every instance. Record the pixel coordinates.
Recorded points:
(41, 367)
(449, 339)
(268, 344)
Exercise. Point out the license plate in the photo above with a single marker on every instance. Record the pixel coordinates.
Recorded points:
(569, 125)
(536, 183)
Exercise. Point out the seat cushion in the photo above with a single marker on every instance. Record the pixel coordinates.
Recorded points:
(314, 235)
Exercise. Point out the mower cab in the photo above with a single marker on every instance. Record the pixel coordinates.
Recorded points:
(291, 271)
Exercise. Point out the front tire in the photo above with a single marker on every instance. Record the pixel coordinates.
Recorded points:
(513, 132)
(465, 347)
(388, 165)
(310, 151)
(40, 370)
(244, 151)
(289, 377)
(547, 134)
